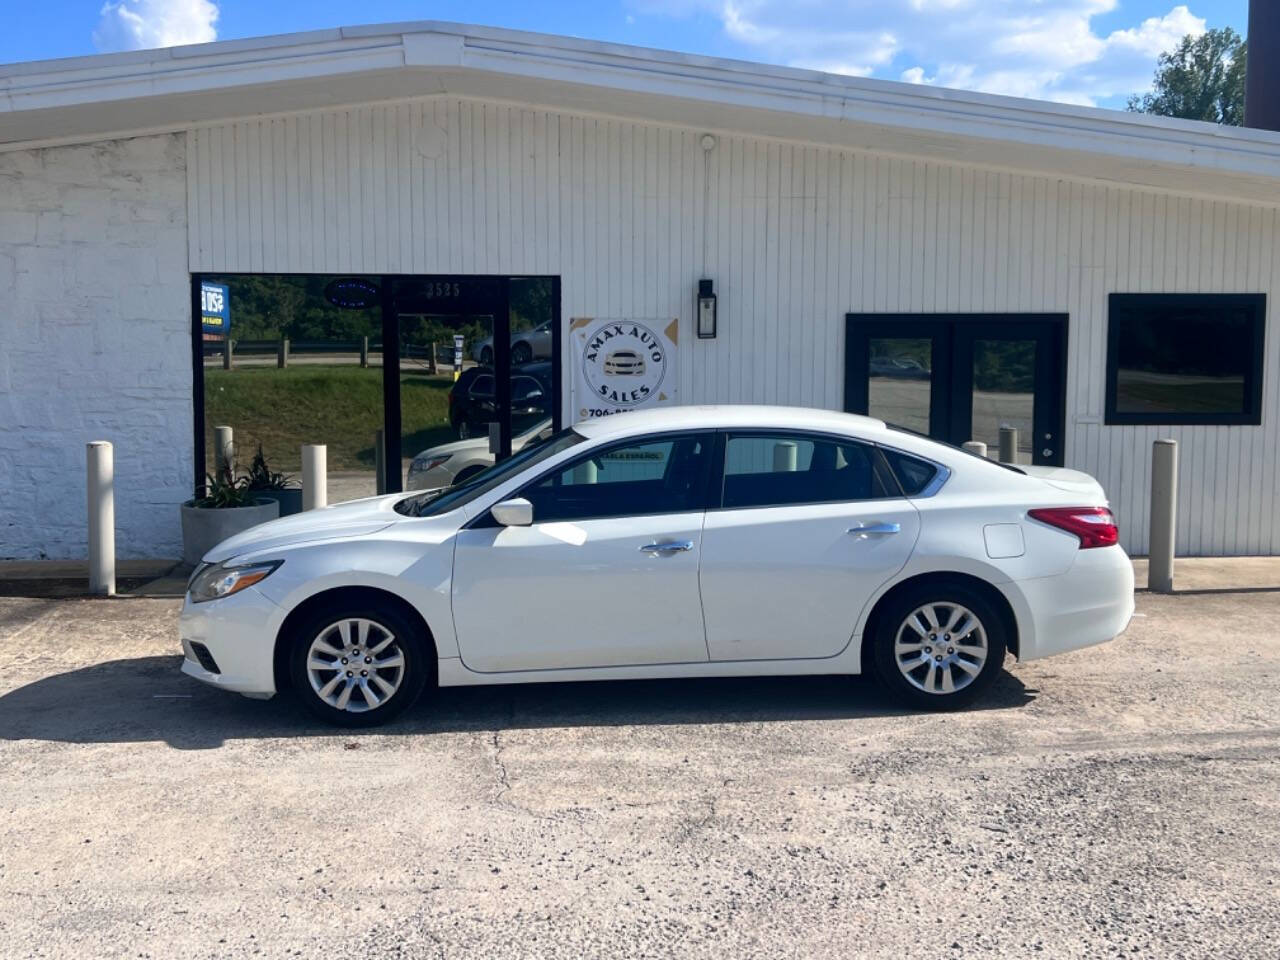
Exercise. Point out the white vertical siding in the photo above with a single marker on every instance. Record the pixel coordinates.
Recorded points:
(630, 215)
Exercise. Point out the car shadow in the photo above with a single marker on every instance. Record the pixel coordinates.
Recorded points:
(146, 699)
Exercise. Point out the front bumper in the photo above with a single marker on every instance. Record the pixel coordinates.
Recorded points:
(1089, 604)
(239, 634)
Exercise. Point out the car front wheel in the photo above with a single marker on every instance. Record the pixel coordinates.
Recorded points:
(938, 646)
(359, 666)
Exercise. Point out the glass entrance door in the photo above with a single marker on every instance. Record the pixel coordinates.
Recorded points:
(962, 377)
(477, 361)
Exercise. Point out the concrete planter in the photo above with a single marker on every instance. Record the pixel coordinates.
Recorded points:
(203, 528)
(290, 499)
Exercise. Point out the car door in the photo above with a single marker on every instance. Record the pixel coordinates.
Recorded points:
(606, 575)
(806, 528)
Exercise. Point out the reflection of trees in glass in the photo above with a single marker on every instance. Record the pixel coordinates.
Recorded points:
(1004, 366)
(270, 307)
(899, 348)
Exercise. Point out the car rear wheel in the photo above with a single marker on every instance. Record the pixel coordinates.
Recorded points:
(359, 666)
(486, 356)
(521, 353)
(464, 430)
(938, 646)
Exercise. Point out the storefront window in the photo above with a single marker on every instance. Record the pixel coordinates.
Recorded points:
(1185, 358)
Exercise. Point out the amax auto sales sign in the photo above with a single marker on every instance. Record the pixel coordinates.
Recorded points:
(622, 365)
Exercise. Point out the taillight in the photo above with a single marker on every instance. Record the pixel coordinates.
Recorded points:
(1095, 526)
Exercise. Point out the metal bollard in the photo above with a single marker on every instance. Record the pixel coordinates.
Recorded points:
(380, 463)
(432, 362)
(100, 462)
(223, 451)
(315, 476)
(495, 438)
(1008, 444)
(364, 351)
(975, 446)
(282, 353)
(1164, 510)
(228, 354)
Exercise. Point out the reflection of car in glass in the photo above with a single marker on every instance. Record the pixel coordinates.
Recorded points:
(623, 363)
(453, 463)
(904, 367)
(526, 345)
(472, 405)
(619, 549)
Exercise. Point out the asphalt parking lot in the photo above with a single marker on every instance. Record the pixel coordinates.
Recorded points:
(1123, 800)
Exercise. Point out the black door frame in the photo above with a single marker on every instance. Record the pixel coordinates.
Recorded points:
(952, 336)
(477, 295)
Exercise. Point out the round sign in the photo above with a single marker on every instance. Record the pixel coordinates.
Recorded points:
(352, 293)
(624, 362)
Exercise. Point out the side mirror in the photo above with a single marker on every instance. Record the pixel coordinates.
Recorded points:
(517, 512)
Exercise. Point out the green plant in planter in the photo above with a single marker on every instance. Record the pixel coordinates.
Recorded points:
(261, 477)
(226, 491)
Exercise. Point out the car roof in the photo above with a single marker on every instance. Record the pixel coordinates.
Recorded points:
(734, 415)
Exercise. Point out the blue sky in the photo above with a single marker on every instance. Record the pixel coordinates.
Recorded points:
(1076, 51)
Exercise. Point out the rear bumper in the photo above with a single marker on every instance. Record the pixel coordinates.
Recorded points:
(238, 632)
(1089, 604)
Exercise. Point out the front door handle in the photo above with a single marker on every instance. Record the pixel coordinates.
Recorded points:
(864, 530)
(673, 546)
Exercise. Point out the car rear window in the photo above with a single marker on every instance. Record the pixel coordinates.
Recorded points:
(913, 474)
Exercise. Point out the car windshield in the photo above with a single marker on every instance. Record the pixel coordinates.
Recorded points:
(433, 504)
(925, 436)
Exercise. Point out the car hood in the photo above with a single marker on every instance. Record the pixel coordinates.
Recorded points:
(457, 446)
(352, 519)
(1072, 481)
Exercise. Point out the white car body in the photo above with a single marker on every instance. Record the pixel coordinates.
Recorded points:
(537, 339)
(439, 467)
(762, 590)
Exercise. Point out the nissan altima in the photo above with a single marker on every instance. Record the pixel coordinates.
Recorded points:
(738, 541)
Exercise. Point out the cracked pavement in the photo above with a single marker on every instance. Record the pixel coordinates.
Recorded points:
(1123, 800)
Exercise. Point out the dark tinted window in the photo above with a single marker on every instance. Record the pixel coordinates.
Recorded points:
(762, 470)
(913, 475)
(1187, 358)
(655, 475)
(482, 386)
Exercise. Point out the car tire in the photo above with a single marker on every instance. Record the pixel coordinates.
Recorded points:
(521, 353)
(486, 357)
(392, 638)
(464, 430)
(920, 656)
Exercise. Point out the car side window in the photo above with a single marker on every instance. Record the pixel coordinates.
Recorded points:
(482, 386)
(525, 388)
(912, 473)
(649, 476)
(773, 470)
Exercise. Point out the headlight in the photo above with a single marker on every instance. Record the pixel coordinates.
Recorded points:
(219, 580)
(423, 464)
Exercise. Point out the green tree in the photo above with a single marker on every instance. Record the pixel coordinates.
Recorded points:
(1202, 78)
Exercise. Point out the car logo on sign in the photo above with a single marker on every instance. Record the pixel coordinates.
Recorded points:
(624, 363)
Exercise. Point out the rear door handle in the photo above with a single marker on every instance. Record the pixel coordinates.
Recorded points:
(673, 546)
(864, 530)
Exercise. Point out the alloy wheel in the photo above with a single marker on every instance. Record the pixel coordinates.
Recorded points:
(355, 665)
(941, 647)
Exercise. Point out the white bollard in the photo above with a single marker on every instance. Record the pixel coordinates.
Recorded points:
(100, 459)
(315, 476)
(785, 456)
(223, 451)
(1164, 512)
(975, 446)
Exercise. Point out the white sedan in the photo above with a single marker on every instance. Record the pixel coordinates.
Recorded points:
(694, 542)
(450, 463)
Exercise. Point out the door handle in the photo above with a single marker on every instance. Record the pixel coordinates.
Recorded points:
(864, 530)
(674, 546)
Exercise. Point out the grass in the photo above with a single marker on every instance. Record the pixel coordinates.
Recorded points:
(340, 406)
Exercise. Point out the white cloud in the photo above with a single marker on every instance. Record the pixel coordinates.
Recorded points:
(145, 24)
(1046, 49)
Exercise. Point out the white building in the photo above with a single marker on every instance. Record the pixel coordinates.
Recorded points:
(868, 243)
